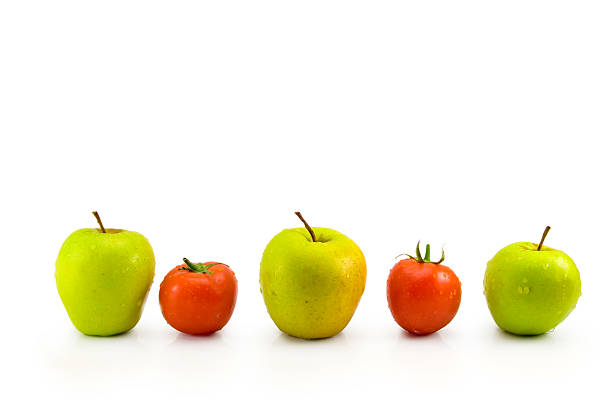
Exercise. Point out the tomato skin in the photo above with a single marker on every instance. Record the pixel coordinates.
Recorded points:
(422, 297)
(198, 303)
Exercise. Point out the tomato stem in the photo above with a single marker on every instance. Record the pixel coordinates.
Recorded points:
(99, 222)
(420, 259)
(546, 230)
(198, 267)
(298, 214)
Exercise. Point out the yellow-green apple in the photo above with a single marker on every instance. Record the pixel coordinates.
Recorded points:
(103, 277)
(531, 288)
(312, 280)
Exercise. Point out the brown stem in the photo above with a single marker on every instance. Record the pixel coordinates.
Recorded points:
(298, 214)
(543, 237)
(99, 221)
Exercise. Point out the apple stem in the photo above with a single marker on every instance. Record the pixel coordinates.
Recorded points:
(546, 230)
(298, 214)
(99, 222)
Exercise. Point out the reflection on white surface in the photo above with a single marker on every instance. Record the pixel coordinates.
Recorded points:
(271, 358)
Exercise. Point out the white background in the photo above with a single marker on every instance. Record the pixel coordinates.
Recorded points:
(204, 124)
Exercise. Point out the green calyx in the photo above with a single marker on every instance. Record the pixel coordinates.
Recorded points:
(422, 259)
(198, 267)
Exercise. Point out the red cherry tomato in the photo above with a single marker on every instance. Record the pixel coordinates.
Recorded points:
(423, 296)
(198, 298)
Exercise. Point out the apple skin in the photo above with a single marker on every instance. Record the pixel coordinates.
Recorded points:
(103, 279)
(311, 289)
(530, 292)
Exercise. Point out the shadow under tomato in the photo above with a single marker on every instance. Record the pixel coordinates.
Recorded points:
(435, 336)
(189, 338)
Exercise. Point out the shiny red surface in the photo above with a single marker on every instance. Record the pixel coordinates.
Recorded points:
(197, 303)
(422, 297)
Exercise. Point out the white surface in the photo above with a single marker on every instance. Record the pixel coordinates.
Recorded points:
(204, 125)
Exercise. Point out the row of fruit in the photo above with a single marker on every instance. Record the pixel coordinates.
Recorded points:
(311, 279)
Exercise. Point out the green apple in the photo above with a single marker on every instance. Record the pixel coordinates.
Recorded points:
(531, 288)
(103, 277)
(312, 280)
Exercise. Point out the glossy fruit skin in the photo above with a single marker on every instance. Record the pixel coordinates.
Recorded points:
(198, 303)
(422, 297)
(103, 279)
(530, 292)
(312, 289)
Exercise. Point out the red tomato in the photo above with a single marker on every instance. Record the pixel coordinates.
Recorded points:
(198, 298)
(423, 296)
